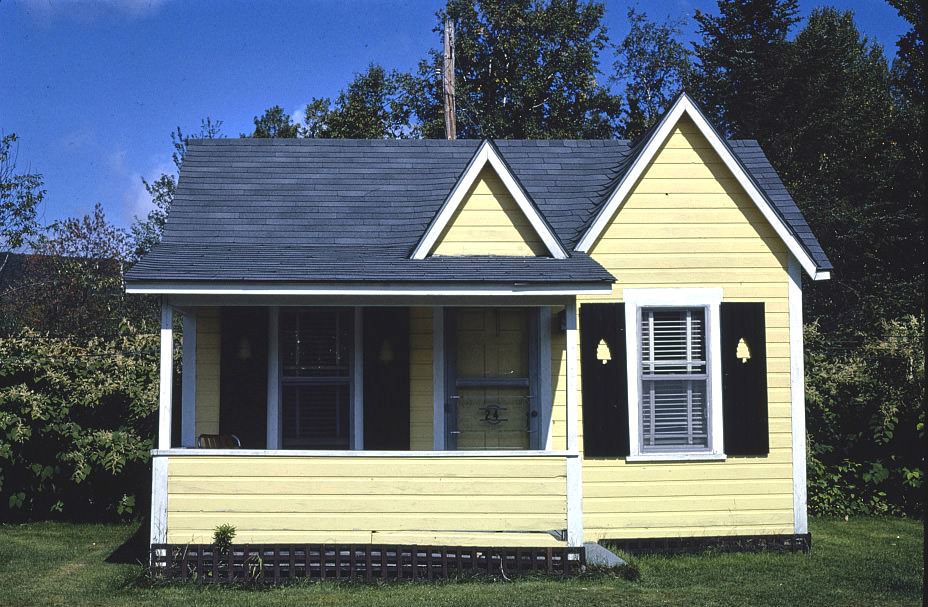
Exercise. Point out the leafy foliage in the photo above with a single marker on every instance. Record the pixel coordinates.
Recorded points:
(275, 123)
(76, 421)
(653, 65)
(866, 422)
(373, 106)
(523, 69)
(20, 195)
(223, 535)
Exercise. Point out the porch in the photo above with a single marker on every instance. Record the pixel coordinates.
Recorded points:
(403, 425)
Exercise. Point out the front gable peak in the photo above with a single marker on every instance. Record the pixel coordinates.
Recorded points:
(488, 189)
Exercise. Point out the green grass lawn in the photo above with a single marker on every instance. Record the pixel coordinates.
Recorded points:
(875, 561)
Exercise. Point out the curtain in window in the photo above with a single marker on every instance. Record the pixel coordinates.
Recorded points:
(674, 379)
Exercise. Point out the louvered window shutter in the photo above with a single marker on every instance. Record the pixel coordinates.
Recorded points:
(744, 378)
(604, 380)
(674, 379)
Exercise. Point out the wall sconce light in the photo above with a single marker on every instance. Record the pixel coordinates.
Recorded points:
(603, 354)
(742, 351)
(244, 349)
(386, 352)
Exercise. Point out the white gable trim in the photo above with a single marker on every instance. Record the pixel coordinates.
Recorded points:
(486, 154)
(684, 105)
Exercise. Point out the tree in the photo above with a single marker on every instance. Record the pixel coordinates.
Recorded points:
(372, 106)
(275, 123)
(653, 65)
(146, 232)
(20, 195)
(72, 283)
(741, 62)
(523, 69)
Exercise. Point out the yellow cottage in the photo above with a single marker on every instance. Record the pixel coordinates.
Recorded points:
(402, 357)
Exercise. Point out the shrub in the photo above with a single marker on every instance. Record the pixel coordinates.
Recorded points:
(223, 536)
(866, 422)
(76, 424)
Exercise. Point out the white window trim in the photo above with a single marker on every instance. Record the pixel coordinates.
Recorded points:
(711, 298)
(486, 155)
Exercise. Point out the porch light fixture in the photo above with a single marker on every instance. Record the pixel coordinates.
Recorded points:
(386, 352)
(244, 349)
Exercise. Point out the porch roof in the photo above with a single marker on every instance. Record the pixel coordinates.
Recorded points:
(271, 264)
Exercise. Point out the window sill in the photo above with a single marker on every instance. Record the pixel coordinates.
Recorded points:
(677, 457)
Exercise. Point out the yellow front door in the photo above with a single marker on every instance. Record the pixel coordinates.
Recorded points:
(491, 405)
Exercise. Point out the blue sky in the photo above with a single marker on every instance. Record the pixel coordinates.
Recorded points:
(94, 88)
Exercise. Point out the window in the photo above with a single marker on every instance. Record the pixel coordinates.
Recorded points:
(674, 371)
(674, 379)
(315, 359)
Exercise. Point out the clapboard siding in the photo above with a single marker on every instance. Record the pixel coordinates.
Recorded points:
(409, 500)
(420, 379)
(207, 383)
(489, 222)
(688, 224)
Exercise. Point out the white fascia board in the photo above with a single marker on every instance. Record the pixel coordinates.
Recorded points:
(486, 154)
(454, 290)
(684, 105)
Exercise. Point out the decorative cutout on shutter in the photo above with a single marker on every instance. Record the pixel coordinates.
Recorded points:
(604, 380)
(744, 378)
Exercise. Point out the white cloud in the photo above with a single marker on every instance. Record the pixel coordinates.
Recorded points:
(87, 10)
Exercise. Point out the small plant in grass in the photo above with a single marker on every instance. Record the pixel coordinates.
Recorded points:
(223, 536)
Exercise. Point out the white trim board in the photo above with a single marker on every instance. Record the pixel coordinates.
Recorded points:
(342, 453)
(684, 105)
(487, 154)
(797, 390)
(710, 298)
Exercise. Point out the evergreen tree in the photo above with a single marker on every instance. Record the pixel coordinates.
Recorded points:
(741, 62)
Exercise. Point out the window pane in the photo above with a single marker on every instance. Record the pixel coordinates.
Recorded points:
(315, 416)
(674, 381)
(674, 413)
(314, 342)
(673, 341)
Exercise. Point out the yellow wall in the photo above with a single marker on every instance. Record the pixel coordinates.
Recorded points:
(688, 223)
(420, 379)
(489, 222)
(208, 343)
(396, 500)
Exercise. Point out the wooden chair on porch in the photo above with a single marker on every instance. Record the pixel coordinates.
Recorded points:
(218, 441)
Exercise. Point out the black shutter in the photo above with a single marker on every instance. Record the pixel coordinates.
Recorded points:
(386, 379)
(744, 382)
(605, 385)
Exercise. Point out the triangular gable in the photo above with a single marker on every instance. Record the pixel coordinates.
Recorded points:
(656, 138)
(487, 156)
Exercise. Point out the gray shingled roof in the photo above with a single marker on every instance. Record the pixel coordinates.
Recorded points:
(297, 263)
(357, 208)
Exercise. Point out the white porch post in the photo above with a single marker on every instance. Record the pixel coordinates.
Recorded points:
(797, 388)
(188, 422)
(159, 477)
(273, 378)
(574, 461)
(167, 373)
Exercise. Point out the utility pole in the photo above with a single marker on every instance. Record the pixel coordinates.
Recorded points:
(447, 77)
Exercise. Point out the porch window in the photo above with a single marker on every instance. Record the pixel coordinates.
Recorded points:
(315, 360)
(673, 367)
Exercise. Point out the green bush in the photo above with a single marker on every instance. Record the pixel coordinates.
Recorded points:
(77, 419)
(866, 420)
